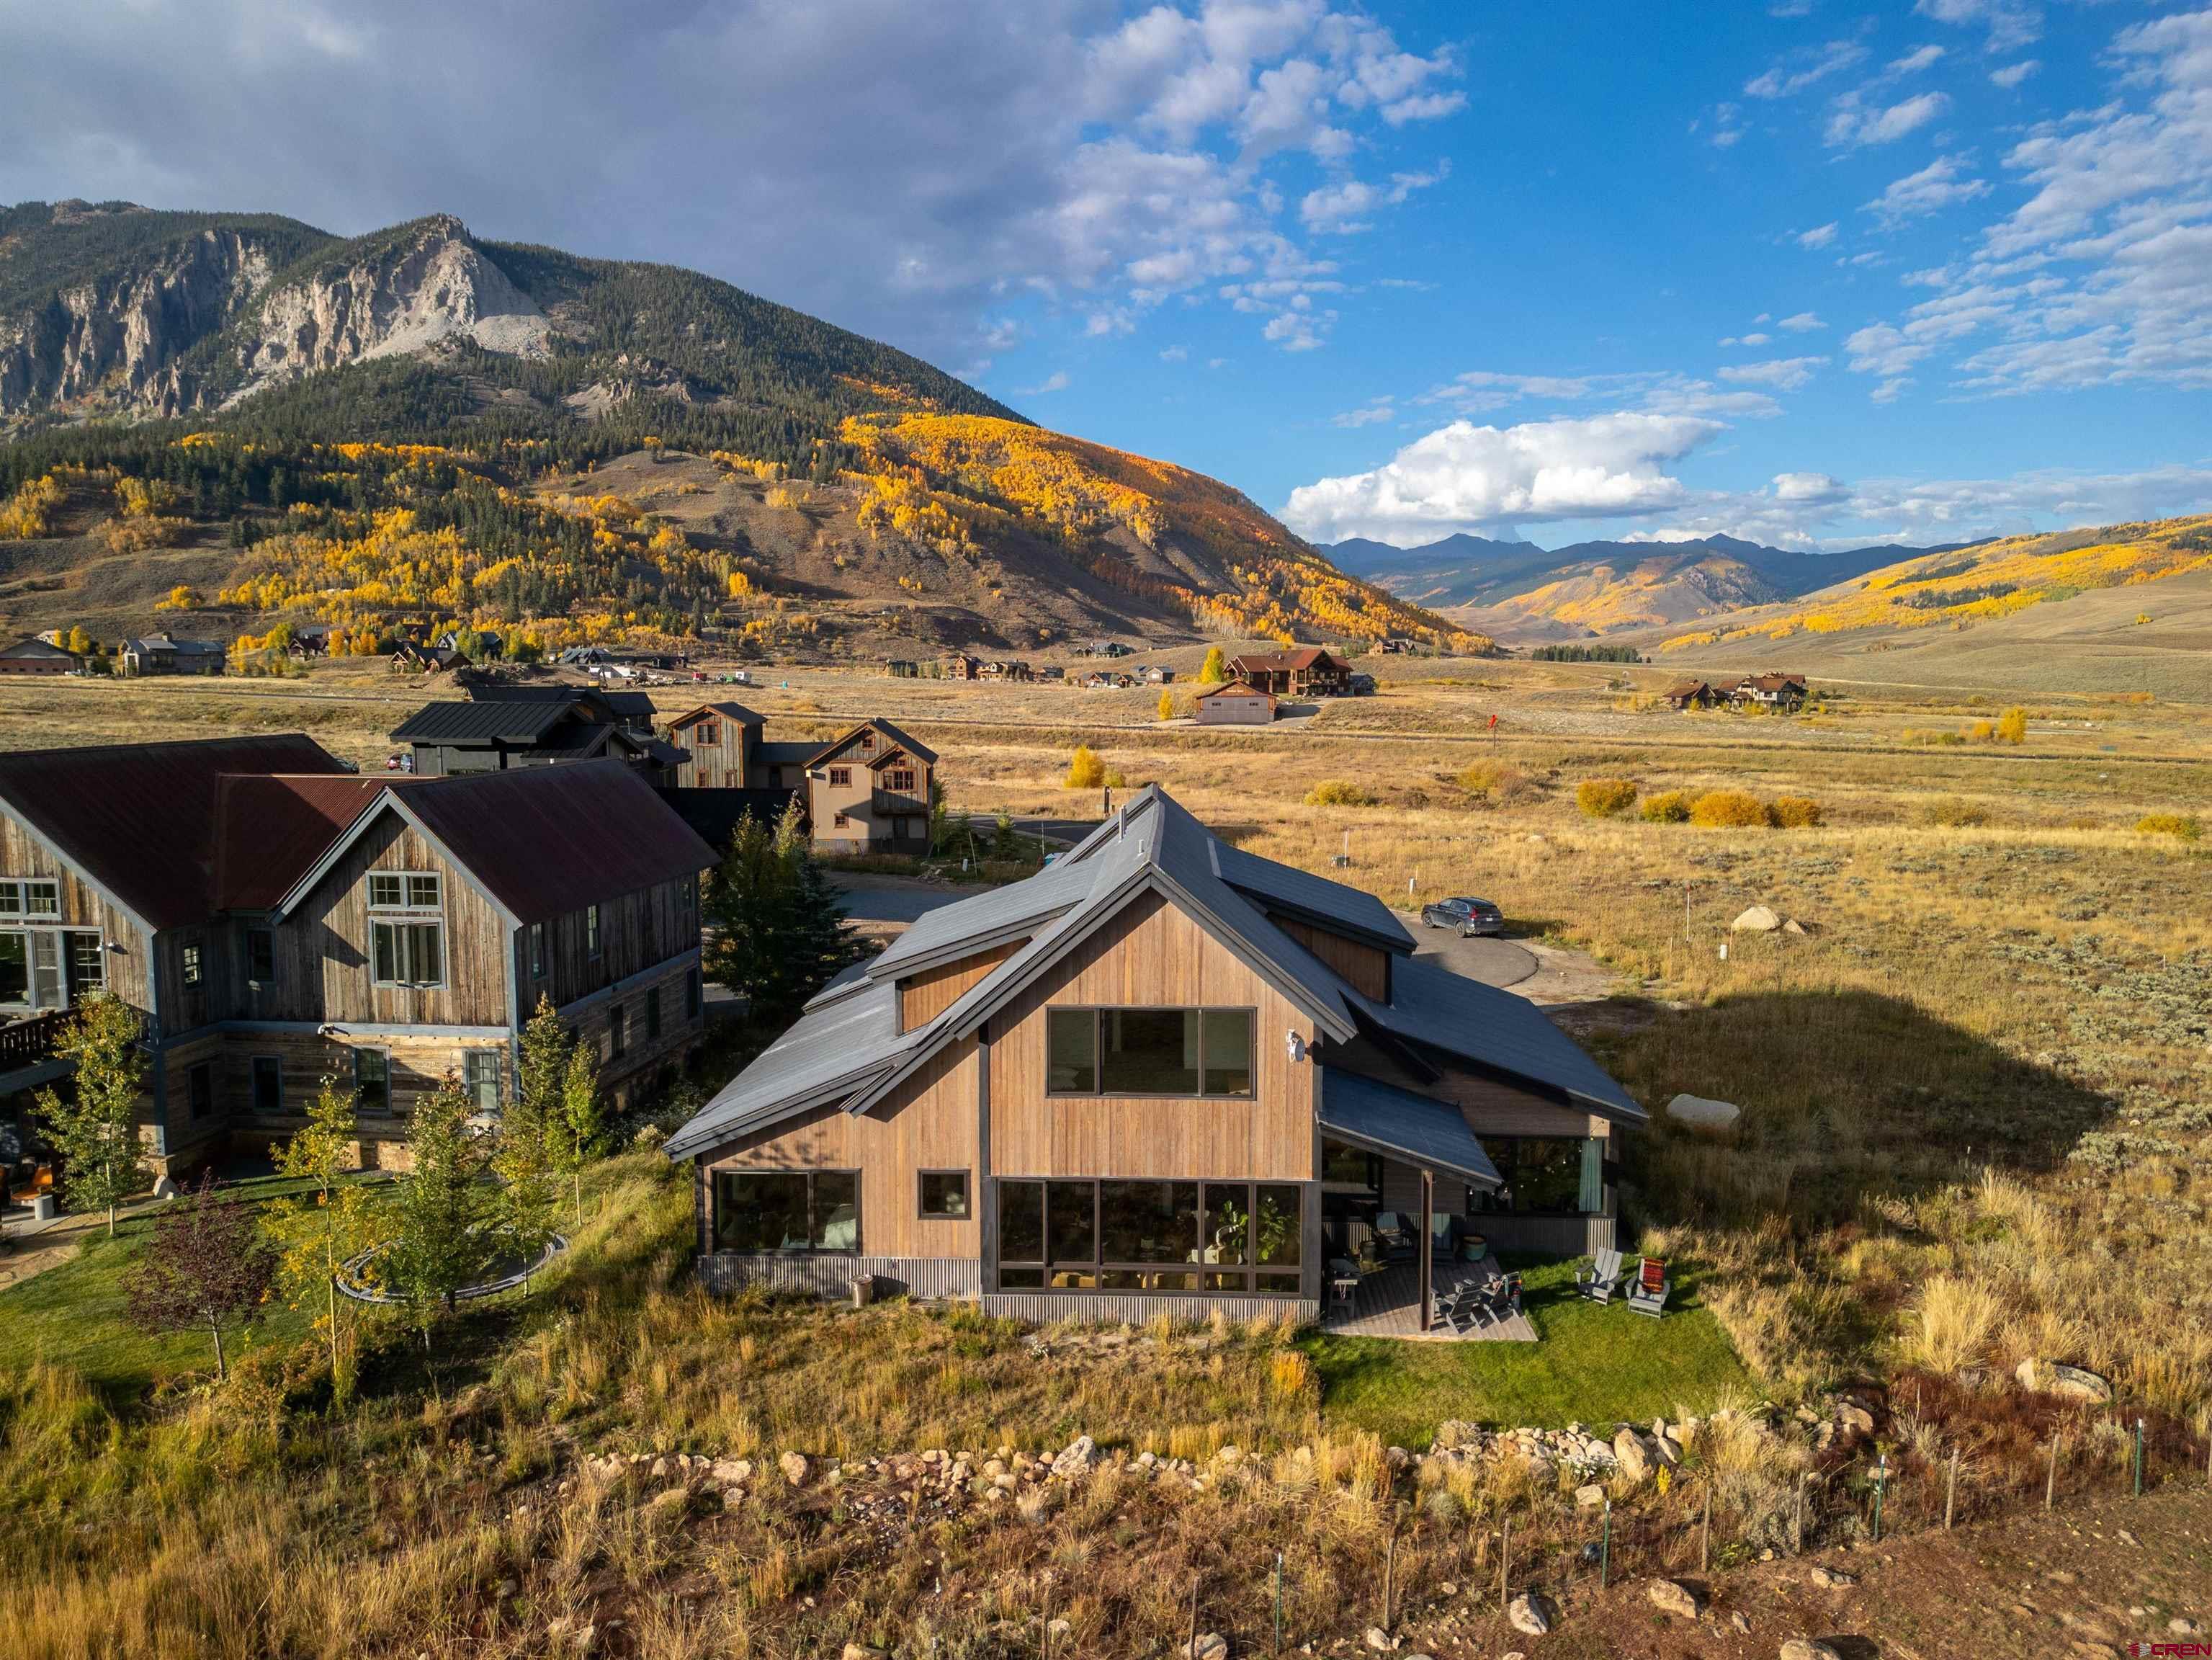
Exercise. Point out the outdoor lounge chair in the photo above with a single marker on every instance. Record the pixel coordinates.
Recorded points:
(1505, 1297)
(1647, 1291)
(1394, 1235)
(1603, 1279)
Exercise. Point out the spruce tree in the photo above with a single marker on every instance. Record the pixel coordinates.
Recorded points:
(438, 1245)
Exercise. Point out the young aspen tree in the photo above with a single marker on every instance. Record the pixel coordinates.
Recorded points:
(96, 1132)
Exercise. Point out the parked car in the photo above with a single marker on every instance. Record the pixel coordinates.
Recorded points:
(1469, 916)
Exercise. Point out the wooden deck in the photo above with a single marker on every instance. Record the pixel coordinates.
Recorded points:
(1388, 1305)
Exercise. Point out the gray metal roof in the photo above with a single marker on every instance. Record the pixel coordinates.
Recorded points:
(988, 918)
(1431, 1004)
(513, 720)
(1314, 898)
(1385, 1119)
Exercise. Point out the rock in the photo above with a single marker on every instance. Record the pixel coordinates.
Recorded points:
(165, 1187)
(2078, 1384)
(2180, 1627)
(1628, 1452)
(1808, 1648)
(1831, 1579)
(729, 1472)
(862, 1651)
(1672, 1597)
(1793, 926)
(659, 1468)
(668, 1504)
(1207, 1646)
(1589, 1496)
(794, 1467)
(1758, 919)
(1703, 1112)
(1057, 1627)
(1076, 1459)
(1742, 1621)
(1380, 1640)
(1530, 1612)
(1668, 1449)
(1855, 1418)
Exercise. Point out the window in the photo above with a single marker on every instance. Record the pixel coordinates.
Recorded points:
(1546, 1175)
(839, 821)
(691, 995)
(592, 932)
(261, 956)
(617, 1032)
(15, 968)
(200, 1089)
(407, 953)
(710, 732)
(268, 1086)
(1148, 1051)
(188, 953)
(1237, 1237)
(402, 890)
(372, 1081)
(900, 780)
(88, 963)
(840, 777)
(944, 1193)
(30, 897)
(537, 951)
(480, 1074)
(787, 1211)
(652, 1014)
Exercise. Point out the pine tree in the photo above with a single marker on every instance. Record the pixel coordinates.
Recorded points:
(206, 1265)
(779, 930)
(317, 1232)
(96, 1132)
(437, 1244)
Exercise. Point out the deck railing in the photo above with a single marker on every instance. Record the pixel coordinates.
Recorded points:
(26, 1042)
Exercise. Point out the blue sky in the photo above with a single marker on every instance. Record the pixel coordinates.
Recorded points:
(1811, 273)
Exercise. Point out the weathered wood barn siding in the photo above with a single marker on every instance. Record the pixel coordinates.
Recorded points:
(721, 765)
(643, 1056)
(637, 930)
(130, 971)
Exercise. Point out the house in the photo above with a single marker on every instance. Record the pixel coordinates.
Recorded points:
(1396, 645)
(1051, 672)
(1162, 1076)
(487, 643)
(1108, 680)
(633, 711)
(492, 734)
(1234, 703)
(277, 918)
(1783, 692)
(309, 640)
(412, 656)
(718, 740)
(1155, 675)
(39, 657)
(1005, 669)
(957, 665)
(868, 792)
(780, 763)
(1692, 695)
(1301, 672)
(164, 654)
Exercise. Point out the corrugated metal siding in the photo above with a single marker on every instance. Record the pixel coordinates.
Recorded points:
(1108, 1308)
(833, 1276)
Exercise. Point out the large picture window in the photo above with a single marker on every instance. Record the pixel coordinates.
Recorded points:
(1546, 1175)
(1219, 1236)
(1148, 1051)
(406, 929)
(787, 1211)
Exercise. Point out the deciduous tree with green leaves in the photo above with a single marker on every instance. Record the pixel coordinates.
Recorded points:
(96, 1131)
(319, 1230)
(438, 1245)
(581, 1126)
(1214, 670)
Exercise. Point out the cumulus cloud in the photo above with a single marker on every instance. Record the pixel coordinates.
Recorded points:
(1781, 374)
(2013, 74)
(1463, 476)
(1941, 184)
(1810, 488)
(1350, 205)
(1919, 59)
(1853, 123)
(1803, 322)
(1374, 413)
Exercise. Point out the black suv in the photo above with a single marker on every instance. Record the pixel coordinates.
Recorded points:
(1469, 916)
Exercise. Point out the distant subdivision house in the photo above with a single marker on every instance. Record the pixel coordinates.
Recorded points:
(1784, 692)
(276, 919)
(868, 791)
(1692, 695)
(1234, 704)
(495, 733)
(39, 657)
(1161, 1076)
(1300, 672)
(164, 654)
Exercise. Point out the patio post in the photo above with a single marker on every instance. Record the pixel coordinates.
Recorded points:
(1421, 1243)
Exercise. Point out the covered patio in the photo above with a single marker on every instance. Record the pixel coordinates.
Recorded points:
(1388, 1303)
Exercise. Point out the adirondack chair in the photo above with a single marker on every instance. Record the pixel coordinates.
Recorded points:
(1451, 1308)
(1647, 1292)
(1505, 1297)
(1603, 1279)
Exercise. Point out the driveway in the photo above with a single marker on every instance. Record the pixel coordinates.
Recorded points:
(1493, 961)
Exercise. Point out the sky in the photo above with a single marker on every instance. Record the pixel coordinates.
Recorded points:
(1810, 273)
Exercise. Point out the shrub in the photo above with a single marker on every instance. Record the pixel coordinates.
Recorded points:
(1667, 807)
(2012, 727)
(1953, 812)
(1794, 813)
(1728, 809)
(1086, 771)
(2170, 823)
(1605, 797)
(1982, 733)
(1494, 781)
(1336, 792)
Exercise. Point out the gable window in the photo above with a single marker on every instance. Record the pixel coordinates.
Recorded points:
(30, 897)
(402, 891)
(1150, 1235)
(710, 732)
(261, 956)
(480, 1074)
(1148, 1051)
(787, 1211)
(188, 956)
(406, 929)
(372, 1082)
(840, 777)
(592, 932)
(899, 779)
(268, 1086)
(944, 1195)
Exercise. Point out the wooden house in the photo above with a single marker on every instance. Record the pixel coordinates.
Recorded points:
(1155, 674)
(957, 665)
(1300, 672)
(1234, 703)
(868, 792)
(1005, 669)
(535, 727)
(779, 763)
(35, 656)
(1163, 1076)
(164, 654)
(1692, 695)
(276, 919)
(717, 740)
(1784, 693)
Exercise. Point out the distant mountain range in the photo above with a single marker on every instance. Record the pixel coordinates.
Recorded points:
(1519, 591)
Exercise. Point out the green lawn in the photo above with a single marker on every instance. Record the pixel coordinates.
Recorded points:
(76, 1315)
(1596, 1365)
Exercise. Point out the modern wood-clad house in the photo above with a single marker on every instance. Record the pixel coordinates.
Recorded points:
(276, 918)
(1160, 1074)
(718, 740)
(164, 654)
(1692, 695)
(1773, 691)
(868, 791)
(493, 733)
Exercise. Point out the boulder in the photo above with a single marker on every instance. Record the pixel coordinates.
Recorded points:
(1672, 1596)
(1808, 1648)
(1629, 1455)
(1208, 1646)
(1855, 1418)
(1380, 1640)
(1531, 1613)
(1758, 919)
(1589, 1496)
(862, 1651)
(668, 1506)
(794, 1466)
(1703, 1113)
(165, 1187)
(1831, 1579)
(1076, 1459)
(729, 1472)
(1793, 926)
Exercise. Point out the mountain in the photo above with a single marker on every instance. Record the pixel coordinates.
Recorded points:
(422, 425)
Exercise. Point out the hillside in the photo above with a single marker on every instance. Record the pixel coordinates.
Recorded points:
(412, 427)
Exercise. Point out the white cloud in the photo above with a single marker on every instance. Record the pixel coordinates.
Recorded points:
(1346, 206)
(1781, 374)
(1175, 355)
(1803, 322)
(1056, 381)
(2011, 24)
(1819, 237)
(2013, 74)
(1374, 413)
(1463, 476)
(1852, 123)
(1794, 74)
(1919, 59)
(1809, 489)
(1935, 187)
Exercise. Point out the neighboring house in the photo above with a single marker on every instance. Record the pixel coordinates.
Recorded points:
(1008, 669)
(1107, 679)
(1396, 646)
(39, 657)
(278, 919)
(957, 665)
(411, 654)
(1784, 692)
(1233, 703)
(632, 710)
(309, 640)
(1301, 672)
(492, 734)
(1692, 695)
(1163, 1076)
(718, 740)
(869, 792)
(164, 654)
(1155, 675)
(780, 763)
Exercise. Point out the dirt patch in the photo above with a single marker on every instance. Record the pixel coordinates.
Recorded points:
(26, 1262)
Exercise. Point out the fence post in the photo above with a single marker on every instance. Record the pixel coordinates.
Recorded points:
(1278, 1602)
(1192, 1648)
(1390, 1572)
(1881, 1481)
(1950, 1489)
(2051, 1480)
(1504, 1561)
(1705, 1531)
(2139, 1457)
(1605, 1545)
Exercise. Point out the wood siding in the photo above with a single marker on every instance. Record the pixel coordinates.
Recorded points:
(922, 997)
(130, 971)
(643, 1054)
(1365, 968)
(931, 1124)
(1152, 955)
(721, 765)
(637, 931)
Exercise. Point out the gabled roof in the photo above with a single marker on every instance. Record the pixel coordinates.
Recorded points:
(1239, 688)
(1384, 1118)
(143, 821)
(1308, 898)
(496, 720)
(37, 647)
(883, 729)
(1295, 657)
(737, 712)
(489, 688)
(275, 827)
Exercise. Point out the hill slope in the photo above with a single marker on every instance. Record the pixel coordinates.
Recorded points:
(400, 427)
